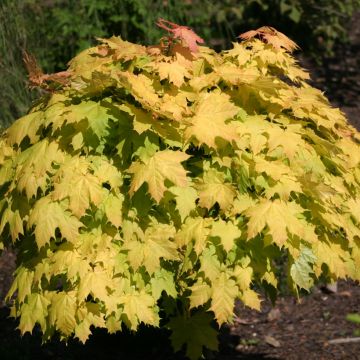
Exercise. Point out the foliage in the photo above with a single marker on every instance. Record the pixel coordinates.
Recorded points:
(159, 184)
(63, 28)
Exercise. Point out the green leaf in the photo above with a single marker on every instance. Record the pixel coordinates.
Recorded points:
(194, 332)
(301, 270)
(163, 280)
(355, 318)
(185, 200)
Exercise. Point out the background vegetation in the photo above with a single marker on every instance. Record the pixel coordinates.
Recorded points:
(55, 30)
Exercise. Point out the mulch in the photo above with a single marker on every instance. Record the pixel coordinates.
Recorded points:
(300, 329)
(290, 329)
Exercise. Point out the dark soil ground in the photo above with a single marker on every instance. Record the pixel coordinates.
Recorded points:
(290, 330)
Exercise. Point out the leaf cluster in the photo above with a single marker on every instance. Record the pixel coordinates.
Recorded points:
(161, 183)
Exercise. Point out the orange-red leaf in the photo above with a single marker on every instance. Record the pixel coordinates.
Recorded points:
(183, 33)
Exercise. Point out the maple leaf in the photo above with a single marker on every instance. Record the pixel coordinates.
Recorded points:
(210, 264)
(213, 189)
(271, 36)
(89, 316)
(224, 292)
(243, 276)
(106, 172)
(194, 331)
(200, 294)
(69, 261)
(38, 78)
(95, 115)
(13, 214)
(185, 200)
(235, 75)
(22, 284)
(163, 280)
(155, 170)
(27, 126)
(62, 311)
(141, 87)
(155, 244)
(47, 216)
(241, 203)
(36, 164)
(142, 120)
(209, 120)
(196, 229)
(174, 71)
(289, 141)
(183, 33)
(139, 307)
(301, 270)
(124, 50)
(279, 216)
(227, 232)
(95, 283)
(113, 208)
(275, 169)
(34, 311)
(79, 185)
(250, 298)
(333, 256)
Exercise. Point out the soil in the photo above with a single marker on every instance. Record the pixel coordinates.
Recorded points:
(290, 329)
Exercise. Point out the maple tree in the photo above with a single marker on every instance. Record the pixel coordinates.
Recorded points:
(170, 178)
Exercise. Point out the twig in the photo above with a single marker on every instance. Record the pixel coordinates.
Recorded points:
(344, 340)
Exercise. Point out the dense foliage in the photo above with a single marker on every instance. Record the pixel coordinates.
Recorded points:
(57, 30)
(158, 184)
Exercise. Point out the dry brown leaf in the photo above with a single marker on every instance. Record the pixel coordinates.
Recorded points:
(36, 76)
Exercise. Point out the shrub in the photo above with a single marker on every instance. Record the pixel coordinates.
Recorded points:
(158, 184)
